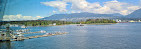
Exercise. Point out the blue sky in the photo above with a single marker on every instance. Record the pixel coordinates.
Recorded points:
(30, 8)
(45, 8)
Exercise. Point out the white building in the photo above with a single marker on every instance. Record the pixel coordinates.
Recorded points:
(54, 24)
(139, 20)
(118, 20)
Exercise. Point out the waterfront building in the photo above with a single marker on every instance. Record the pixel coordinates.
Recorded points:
(117, 20)
(54, 24)
(139, 20)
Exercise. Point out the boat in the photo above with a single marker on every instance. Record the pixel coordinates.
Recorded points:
(15, 25)
(23, 26)
(80, 24)
(9, 35)
(23, 30)
(42, 31)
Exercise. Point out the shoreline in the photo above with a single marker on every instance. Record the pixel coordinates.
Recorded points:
(78, 24)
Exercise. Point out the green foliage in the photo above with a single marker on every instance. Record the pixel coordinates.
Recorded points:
(48, 22)
(90, 21)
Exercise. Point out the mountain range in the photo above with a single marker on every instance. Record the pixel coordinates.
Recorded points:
(135, 14)
(85, 15)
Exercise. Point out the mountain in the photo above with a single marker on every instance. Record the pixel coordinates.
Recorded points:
(136, 14)
(81, 16)
(116, 14)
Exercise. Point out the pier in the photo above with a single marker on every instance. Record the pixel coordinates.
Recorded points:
(45, 35)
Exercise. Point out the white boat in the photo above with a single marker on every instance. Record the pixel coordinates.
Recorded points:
(42, 31)
(23, 26)
(47, 34)
(23, 30)
(16, 25)
(20, 34)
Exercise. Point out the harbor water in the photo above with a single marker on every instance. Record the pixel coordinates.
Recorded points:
(110, 36)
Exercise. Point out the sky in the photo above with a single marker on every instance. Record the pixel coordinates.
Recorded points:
(36, 9)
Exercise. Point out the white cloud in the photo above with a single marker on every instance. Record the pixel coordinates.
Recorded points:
(39, 17)
(19, 17)
(61, 5)
(124, 12)
(82, 5)
(75, 11)
(108, 7)
(133, 7)
(119, 7)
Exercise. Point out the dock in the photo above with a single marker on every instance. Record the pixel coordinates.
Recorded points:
(9, 35)
(45, 35)
(31, 32)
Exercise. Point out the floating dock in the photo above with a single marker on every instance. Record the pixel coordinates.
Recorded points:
(31, 37)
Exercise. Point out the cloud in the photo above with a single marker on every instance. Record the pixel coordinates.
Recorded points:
(119, 7)
(108, 7)
(75, 11)
(19, 17)
(38, 17)
(83, 5)
(61, 5)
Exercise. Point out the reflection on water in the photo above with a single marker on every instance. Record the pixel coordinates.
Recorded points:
(115, 36)
(11, 45)
(5, 45)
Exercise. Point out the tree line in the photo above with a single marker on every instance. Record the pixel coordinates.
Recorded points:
(57, 22)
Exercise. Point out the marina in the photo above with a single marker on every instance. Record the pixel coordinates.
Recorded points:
(8, 35)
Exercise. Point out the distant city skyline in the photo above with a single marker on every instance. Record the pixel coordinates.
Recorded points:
(35, 9)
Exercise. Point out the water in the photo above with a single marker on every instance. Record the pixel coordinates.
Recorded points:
(114, 36)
